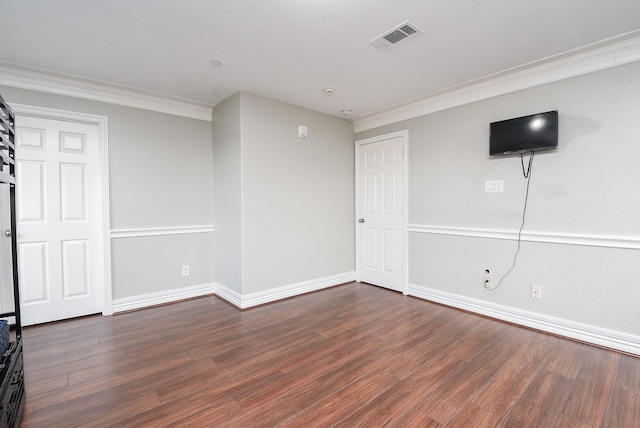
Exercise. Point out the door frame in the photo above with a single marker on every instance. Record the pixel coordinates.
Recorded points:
(102, 123)
(404, 134)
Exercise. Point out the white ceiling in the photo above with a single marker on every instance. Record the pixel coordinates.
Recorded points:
(289, 50)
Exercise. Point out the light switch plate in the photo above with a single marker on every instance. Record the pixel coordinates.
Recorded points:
(494, 186)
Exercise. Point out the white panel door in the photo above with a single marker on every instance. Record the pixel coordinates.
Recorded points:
(381, 213)
(59, 203)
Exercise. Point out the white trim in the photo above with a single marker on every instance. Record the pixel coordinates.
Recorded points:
(102, 123)
(609, 53)
(106, 215)
(405, 208)
(587, 333)
(162, 297)
(621, 242)
(229, 295)
(242, 187)
(284, 292)
(160, 231)
(57, 114)
(35, 79)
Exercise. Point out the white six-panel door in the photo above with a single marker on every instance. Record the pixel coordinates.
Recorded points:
(381, 213)
(60, 250)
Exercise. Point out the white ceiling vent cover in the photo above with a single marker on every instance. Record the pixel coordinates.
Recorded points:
(396, 35)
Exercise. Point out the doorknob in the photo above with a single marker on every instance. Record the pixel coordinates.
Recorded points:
(361, 220)
(7, 232)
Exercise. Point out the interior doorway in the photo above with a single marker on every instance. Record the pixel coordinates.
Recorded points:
(381, 210)
(62, 214)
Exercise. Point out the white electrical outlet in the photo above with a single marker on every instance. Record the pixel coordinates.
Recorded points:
(186, 271)
(487, 282)
(536, 291)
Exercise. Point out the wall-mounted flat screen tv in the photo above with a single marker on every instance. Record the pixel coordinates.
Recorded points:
(524, 134)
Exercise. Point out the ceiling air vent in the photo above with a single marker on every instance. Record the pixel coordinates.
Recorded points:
(395, 35)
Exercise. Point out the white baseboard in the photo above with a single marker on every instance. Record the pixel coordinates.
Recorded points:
(236, 299)
(229, 295)
(279, 293)
(583, 332)
(162, 297)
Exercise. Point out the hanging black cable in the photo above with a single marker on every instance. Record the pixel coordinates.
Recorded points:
(527, 175)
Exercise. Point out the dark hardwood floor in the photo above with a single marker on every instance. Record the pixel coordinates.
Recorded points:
(349, 356)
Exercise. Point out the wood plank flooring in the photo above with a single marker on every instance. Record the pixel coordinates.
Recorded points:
(349, 356)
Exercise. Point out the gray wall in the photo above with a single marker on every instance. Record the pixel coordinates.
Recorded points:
(152, 264)
(160, 176)
(227, 173)
(584, 195)
(298, 195)
(283, 205)
(283, 209)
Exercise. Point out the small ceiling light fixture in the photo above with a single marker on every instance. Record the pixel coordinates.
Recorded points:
(329, 91)
(215, 63)
(346, 112)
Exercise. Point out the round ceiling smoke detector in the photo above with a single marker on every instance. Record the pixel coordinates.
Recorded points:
(329, 91)
(347, 112)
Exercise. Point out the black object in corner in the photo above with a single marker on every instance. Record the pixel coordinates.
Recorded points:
(12, 394)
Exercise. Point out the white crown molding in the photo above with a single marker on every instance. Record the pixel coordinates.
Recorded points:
(598, 56)
(625, 243)
(160, 231)
(583, 332)
(35, 79)
(162, 297)
(244, 301)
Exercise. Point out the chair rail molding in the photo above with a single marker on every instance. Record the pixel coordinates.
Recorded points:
(160, 231)
(606, 241)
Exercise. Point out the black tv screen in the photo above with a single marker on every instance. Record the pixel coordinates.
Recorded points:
(524, 134)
